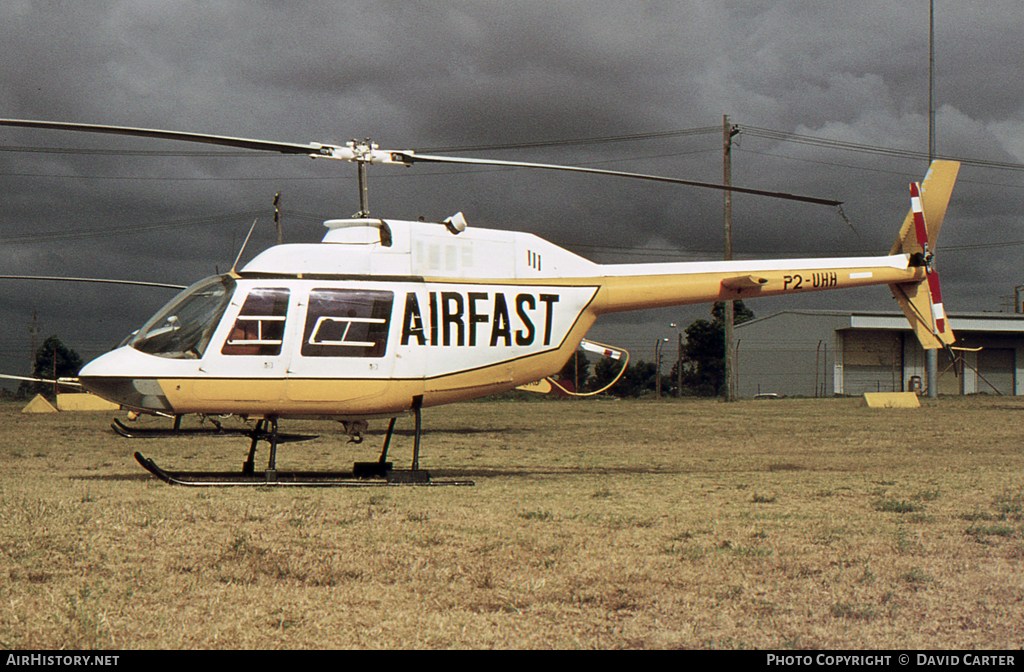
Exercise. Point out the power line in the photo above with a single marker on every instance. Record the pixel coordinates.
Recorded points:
(785, 136)
(132, 228)
(836, 164)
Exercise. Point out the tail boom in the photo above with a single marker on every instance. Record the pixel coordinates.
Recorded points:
(626, 287)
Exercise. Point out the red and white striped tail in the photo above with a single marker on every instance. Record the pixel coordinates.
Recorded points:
(915, 207)
(934, 288)
(938, 312)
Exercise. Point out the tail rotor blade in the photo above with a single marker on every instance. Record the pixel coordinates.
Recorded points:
(934, 288)
(938, 312)
(915, 206)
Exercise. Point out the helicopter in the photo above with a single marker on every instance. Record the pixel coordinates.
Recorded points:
(386, 317)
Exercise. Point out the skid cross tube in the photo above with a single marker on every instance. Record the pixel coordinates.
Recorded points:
(387, 442)
(416, 440)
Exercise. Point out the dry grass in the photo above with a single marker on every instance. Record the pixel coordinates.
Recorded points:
(792, 523)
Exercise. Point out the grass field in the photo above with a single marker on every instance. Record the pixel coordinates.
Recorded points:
(771, 524)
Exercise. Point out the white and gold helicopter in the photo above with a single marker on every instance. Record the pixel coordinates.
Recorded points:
(387, 317)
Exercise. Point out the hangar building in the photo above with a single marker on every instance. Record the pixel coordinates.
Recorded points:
(826, 352)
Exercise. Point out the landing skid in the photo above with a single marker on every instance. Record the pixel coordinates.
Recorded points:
(364, 474)
(307, 479)
(129, 432)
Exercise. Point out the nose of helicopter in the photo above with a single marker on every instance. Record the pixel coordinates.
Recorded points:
(117, 377)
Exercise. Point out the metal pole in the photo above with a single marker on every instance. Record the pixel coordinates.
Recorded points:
(931, 80)
(679, 361)
(931, 356)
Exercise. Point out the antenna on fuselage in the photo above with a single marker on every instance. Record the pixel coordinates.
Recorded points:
(244, 243)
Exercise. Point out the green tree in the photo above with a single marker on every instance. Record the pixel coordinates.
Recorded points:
(604, 372)
(53, 360)
(636, 379)
(576, 371)
(704, 351)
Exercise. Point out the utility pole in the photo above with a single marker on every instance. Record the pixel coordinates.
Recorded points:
(277, 218)
(728, 131)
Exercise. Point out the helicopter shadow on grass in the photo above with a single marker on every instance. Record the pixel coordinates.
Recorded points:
(457, 473)
(510, 472)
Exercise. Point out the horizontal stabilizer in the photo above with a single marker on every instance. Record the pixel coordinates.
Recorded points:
(542, 386)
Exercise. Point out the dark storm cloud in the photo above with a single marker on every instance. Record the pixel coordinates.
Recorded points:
(424, 74)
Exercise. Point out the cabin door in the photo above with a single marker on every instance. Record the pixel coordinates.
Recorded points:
(343, 350)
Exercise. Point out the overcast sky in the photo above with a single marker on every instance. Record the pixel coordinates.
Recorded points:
(436, 76)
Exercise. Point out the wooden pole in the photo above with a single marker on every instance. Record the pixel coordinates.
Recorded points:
(728, 130)
(277, 218)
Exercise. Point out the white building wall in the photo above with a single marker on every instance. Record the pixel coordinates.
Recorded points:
(787, 353)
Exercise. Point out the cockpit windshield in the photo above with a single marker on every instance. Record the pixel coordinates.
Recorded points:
(183, 328)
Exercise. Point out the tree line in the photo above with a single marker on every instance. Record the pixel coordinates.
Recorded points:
(52, 360)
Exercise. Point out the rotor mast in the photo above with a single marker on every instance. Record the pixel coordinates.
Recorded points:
(363, 153)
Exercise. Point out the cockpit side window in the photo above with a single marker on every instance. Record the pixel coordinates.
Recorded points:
(347, 323)
(259, 327)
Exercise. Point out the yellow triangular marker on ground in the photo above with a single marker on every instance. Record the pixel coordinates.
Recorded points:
(892, 400)
(39, 404)
(84, 402)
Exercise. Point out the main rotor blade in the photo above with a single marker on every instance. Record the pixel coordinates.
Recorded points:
(60, 381)
(242, 143)
(138, 283)
(370, 154)
(412, 157)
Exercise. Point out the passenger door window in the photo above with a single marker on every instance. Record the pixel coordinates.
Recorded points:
(347, 323)
(259, 327)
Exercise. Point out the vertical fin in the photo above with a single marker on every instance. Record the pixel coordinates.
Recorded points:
(921, 301)
(935, 192)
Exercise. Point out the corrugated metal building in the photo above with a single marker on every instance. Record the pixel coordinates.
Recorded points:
(825, 352)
